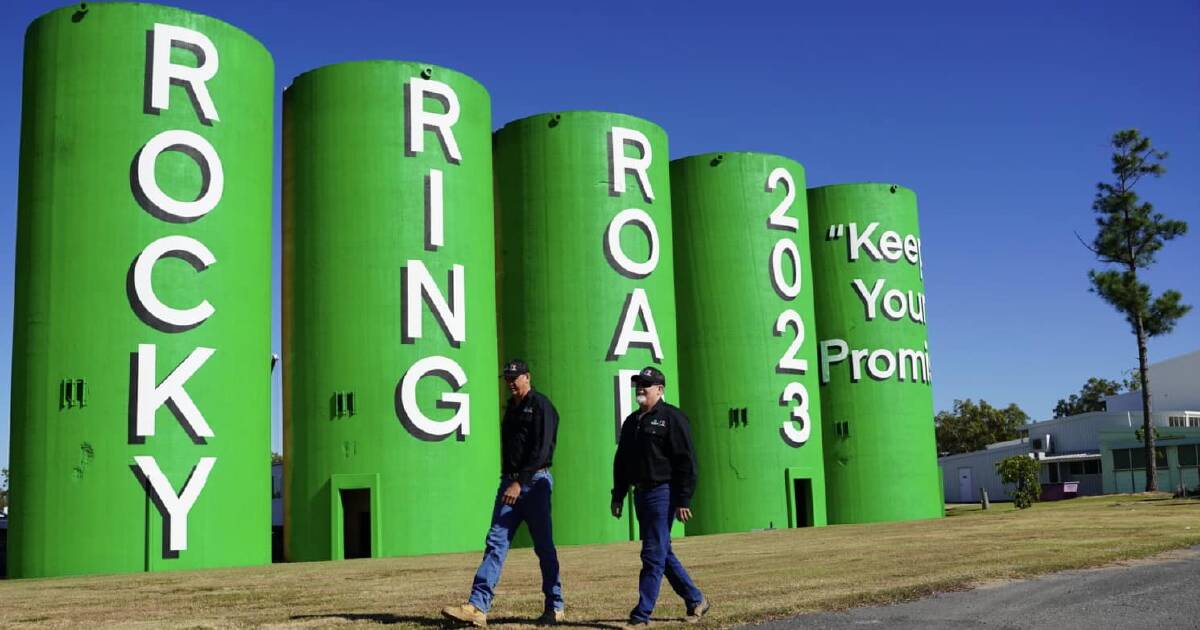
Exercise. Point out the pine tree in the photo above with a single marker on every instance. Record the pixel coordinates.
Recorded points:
(1130, 235)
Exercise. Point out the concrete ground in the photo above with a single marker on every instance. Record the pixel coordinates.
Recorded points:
(1159, 593)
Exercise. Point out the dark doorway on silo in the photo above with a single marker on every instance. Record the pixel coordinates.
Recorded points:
(356, 523)
(802, 515)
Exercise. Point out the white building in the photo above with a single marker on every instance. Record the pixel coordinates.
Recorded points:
(1099, 451)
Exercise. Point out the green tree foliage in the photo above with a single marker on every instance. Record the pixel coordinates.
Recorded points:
(1130, 234)
(970, 427)
(1090, 398)
(1021, 470)
(276, 458)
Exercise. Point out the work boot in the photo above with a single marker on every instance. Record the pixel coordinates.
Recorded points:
(466, 613)
(552, 617)
(638, 624)
(695, 613)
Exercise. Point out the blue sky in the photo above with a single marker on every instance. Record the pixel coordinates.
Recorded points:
(998, 116)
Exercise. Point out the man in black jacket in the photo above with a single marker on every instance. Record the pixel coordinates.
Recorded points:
(655, 455)
(528, 435)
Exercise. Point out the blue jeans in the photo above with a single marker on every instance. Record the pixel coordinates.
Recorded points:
(533, 507)
(655, 513)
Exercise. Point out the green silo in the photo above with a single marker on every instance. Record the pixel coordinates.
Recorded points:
(391, 428)
(748, 347)
(876, 398)
(142, 327)
(586, 288)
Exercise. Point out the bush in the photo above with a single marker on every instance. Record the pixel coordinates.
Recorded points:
(1021, 470)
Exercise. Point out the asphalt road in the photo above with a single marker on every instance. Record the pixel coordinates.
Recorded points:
(1162, 593)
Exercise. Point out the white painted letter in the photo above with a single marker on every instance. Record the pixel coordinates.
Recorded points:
(420, 120)
(163, 72)
(448, 370)
(434, 202)
(623, 398)
(452, 317)
(621, 164)
(894, 298)
(638, 306)
(177, 506)
(868, 297)
(150, 397)
(212, 176)
(143, 290)
(612, 242)
(889, 360)
(839, 354)
(858, 241)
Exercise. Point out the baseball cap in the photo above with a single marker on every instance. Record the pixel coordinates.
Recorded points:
(649, 376)
(515, 367)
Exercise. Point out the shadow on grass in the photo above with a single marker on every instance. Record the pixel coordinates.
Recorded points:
(383, 618)
(440, 622)
(602, 624)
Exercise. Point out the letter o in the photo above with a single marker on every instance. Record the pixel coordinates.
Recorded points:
(872, 364)
(894, 314)
(199, 149)
(612, 243)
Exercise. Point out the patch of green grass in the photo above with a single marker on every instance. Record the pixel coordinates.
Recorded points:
(749, 577)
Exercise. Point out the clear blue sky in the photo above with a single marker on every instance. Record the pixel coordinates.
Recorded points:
(998, 116)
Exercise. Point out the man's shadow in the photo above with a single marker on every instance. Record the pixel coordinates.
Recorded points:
(441, 622)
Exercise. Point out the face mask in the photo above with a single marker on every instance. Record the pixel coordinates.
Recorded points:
(641, 399)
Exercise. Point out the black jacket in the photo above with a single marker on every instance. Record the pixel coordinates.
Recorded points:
(654, 448)
(528, 434)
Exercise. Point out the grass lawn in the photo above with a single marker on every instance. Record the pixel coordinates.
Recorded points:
(749, 577)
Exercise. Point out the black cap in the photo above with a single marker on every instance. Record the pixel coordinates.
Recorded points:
(649, 376)
(515, 367)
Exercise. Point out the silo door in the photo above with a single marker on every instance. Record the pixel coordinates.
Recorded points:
(802, 501)
(354, 512)
(356, 523)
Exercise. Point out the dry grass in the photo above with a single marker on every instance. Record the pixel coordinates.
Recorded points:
(749, 577)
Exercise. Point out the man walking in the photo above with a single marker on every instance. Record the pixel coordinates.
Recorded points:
(528, 434)
(655, 455)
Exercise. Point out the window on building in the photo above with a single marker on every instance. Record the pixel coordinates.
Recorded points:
(1091, 467)
(1193, 421)
(1137, 458)
(1188, 455)
(1177, 421)
(1053, 466)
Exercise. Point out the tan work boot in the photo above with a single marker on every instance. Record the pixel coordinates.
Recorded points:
(695, 613)
(466, 613)
(552, 617)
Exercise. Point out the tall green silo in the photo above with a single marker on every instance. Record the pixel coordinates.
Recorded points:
(142, 327)
(748, 347)
(586, 288)
(876, 398)
(391, 428)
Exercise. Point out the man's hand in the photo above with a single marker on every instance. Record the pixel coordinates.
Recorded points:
(616, 508)
(511, 493)
(683, 514)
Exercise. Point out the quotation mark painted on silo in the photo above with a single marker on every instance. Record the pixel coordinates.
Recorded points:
(835, 232)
